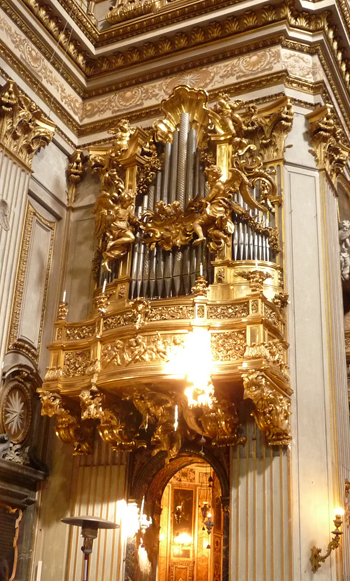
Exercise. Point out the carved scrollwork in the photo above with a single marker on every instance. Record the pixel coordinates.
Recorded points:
(69, 428)
(76, 363)
(272, 409)
(228, 345)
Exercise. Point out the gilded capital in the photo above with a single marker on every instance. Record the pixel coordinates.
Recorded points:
(330, 151)
(23, 126)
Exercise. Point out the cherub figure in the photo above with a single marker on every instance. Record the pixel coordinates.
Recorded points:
(231, 122)
(122, 132)
(217, 214)
(344, 241)
(120, 231)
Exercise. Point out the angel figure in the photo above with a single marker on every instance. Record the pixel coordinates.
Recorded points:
(230, 120)
(217, 214)
(344, 241)
(4, 215)
(119, 233)
(122, 133)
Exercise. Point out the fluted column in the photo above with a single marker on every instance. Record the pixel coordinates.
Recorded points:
(23, 130)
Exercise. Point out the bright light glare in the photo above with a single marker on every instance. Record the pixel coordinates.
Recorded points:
(183, 539)
(195, 363)
(127, 515)
(339, 511)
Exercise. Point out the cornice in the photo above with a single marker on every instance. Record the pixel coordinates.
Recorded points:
(43, 47)
(233, 90)
(42, 93)
(198, 37)
(85, 23)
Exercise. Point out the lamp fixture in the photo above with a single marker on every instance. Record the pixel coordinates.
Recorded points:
(316, 558)
(90, 526)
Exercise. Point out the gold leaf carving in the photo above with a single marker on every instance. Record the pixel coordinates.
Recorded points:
(228, 311)
(76, 363)
(139, 349)
(272, 409)
(23, 127)
(80, 332)
(228, 346)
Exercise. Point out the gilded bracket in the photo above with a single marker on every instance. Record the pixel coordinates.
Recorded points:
(272, 408)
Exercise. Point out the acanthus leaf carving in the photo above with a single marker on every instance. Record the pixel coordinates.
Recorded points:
(23, 126)
(329, 148)
(272, 408)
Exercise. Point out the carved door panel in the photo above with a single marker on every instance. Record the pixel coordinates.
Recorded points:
(181, 571)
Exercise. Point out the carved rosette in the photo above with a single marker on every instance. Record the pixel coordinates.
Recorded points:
(23, 126)
(272, 408)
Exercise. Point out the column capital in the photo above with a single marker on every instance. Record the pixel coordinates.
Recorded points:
(328, 141)
(23, 126)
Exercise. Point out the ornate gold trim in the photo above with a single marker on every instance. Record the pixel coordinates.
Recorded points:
(13, 343)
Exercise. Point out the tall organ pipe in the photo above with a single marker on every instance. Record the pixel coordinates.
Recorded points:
(173, 166)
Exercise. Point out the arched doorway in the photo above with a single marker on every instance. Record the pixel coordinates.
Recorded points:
(191, 526)
(148, 480)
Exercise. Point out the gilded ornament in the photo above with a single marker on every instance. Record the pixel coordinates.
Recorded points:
(255, 278)
(221, 424)
(228, 311)
(169, 313)
(91, 403)
(80, 332)
(76, 363)
(139, 349)
(53, 373)
(272, 316)
(62, 311)
(23, 127)
(328, 141)
(280, 300)
(272, 409)
(69, 428)
(200, 289)
(75, 173)
(114, 220)
(127, 10)
(228, 345)
(272, 351)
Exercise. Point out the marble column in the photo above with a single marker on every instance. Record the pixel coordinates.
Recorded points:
(23, 130)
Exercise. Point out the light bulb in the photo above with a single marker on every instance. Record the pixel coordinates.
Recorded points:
(339, 512)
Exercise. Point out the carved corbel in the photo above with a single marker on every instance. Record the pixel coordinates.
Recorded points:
(70, 429)
(221, 424)
(75, 173)
(272, 409)
(23, 126)
(118, 427)
(329, 149)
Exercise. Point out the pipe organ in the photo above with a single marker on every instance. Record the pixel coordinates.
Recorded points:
(189, 306)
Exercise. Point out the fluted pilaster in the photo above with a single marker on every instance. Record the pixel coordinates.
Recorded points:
(23, 130)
